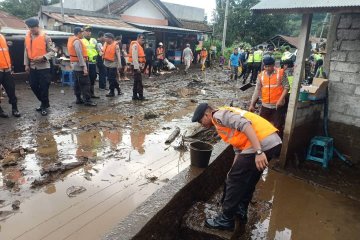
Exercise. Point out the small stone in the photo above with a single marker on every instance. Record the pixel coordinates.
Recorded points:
(15, 205)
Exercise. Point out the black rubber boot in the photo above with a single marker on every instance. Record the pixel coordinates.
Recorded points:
(15, 112)
(110, 94)
(221, 222)
(119, 91)
(3, 114)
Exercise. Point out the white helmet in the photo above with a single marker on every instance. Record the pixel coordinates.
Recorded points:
(160, 43)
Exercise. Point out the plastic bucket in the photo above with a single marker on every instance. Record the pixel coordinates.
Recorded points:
(200, 153)
(303, 96)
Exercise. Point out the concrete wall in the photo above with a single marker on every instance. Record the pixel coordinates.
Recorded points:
(186, 12)
(344, 76)
(145, 9)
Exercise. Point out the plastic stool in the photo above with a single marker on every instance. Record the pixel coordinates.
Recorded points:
(67, 78)
(321, 150)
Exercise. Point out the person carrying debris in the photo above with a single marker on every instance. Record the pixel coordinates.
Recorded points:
(112, 62)
(188, 57)
(160, 56)
(38, 51)
(90, 44)
(203, 57)
(6, 78)
(272, 86)
(255, 142)
(137, 57)
(78, 57)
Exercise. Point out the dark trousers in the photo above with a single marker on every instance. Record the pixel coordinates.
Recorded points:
(102, 72)
(244, 70)
(240, 184)
(256, 70)
(92, 76)
(160, 64)
(82, 86)
(148, 64)
(40, 83)
(275, 116)
(249, 70)
(111, 74)
(7, 81)
(138, 86)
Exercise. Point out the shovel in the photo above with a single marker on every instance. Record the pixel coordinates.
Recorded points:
(246, 86)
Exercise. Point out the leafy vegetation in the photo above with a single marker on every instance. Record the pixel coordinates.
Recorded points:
(24, 8)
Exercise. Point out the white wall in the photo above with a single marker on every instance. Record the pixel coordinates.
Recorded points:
(145, 9)
(88, 5)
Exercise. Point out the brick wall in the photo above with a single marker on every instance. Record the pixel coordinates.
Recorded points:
(344, 76)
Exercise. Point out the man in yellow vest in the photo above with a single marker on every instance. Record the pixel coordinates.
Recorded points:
(255, 141)
(272, 86)
(90, 44)
(38, 51)
(137, 57)
(6, 78)
(249, 65)
(258, 58)
(78, 57)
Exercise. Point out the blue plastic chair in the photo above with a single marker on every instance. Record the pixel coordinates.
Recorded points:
(321, 150)
(67, 78)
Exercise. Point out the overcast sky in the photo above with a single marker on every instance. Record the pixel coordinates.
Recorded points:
(208, 5)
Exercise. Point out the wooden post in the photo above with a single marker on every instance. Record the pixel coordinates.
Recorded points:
(298, 76)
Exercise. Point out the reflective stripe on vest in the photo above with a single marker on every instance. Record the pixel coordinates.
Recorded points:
(258, 56)
(286, 55)
(35, 47)
(91, 49)
(272, 88)
(141, 53)
(109, 51)
(5, 61)
(71, 49)
(203, 54)
(238, 139)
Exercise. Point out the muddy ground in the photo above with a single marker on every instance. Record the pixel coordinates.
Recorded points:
(78, 171)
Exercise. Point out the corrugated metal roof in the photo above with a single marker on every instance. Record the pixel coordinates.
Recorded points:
(8, 20)
(106, 23)
(293, 6)
(170, 28)
(195, 25)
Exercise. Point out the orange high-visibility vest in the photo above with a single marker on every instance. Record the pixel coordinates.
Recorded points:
(5, 61)
(203, 54)
(35, 47)
(272, 88)
(71, 49)
(160, 53)
(238, 139)
(109, 51)
(141, 53)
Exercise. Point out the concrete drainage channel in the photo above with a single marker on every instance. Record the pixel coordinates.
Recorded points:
(162, 215)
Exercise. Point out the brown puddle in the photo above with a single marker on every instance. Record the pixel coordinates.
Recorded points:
(127, 165)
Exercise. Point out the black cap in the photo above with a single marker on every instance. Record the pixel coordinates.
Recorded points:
(109, 35)
(77, 30)
(199, 112)
(269, 61)
(32, 22)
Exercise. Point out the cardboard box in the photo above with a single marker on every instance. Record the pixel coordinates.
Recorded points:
(317, 90)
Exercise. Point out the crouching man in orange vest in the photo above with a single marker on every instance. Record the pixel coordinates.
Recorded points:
(272, 85)
(39, 51)
(255, 141)
(6, 79)
(78, 59)
(137, 57)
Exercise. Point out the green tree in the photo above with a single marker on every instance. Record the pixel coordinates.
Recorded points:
(24, 8)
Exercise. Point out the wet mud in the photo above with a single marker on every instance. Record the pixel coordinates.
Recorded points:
(116, 151)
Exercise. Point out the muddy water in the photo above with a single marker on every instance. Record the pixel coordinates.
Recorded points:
(303, 211)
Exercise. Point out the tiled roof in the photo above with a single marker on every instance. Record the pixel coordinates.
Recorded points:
(200, 26)
(10, 21)
(296, 6)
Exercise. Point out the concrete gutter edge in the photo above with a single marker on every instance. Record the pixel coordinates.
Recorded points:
(180, 190)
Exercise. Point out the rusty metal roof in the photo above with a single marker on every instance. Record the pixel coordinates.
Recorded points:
(90, 18)
(10, 21)
(195, 25)
(306, 6)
